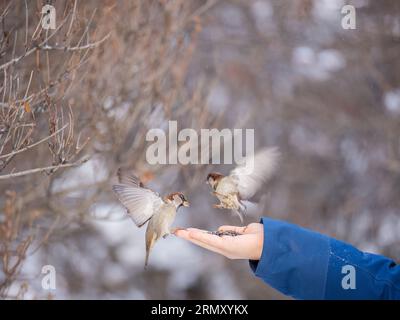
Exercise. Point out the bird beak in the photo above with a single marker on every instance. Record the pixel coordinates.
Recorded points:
(186, 203)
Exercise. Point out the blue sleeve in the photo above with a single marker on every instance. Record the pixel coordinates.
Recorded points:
(308, 265)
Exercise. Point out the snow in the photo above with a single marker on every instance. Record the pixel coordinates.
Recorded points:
(263, 12)
(317, 65)
(327, 9)
(92, 171)
(218, 99)
(389, 229)
(392, 101)
(355, 159)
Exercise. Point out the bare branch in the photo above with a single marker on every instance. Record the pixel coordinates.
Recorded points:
(77, 48)
(50, 168)
(32, 145)
(32, 50)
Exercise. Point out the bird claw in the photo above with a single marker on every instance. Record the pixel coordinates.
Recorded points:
(218, 206)
(215, 193)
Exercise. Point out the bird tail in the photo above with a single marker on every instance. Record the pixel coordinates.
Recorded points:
(241, 211)
(146, 262)
(150, 240)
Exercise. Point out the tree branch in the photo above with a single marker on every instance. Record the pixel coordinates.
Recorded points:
(67, 48)
(33, 145)
(42, 46)
(36, 170)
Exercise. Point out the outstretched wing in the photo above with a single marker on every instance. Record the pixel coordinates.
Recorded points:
(141, 203)
(257, 170)
(127, 177)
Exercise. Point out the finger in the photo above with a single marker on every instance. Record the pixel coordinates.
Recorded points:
(237, 229)
(188, 235)
(197, 230)
(185, 235)
(182, 233)
(208, 239)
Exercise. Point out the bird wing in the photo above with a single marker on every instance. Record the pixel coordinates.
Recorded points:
(256, 171)
(127, 177)
(141, 203)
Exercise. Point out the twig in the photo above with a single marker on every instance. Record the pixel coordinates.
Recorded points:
(5, 11)
(34, 49)
(26, 23)
(33, 145)
(36, 170)
(203, 9)
(72, 19)
(65, 48)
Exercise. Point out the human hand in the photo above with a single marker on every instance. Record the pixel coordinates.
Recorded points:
(247, 245)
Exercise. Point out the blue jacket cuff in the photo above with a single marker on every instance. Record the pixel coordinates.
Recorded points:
(294, 260)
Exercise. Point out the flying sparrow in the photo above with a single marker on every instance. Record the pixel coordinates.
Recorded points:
(145, 205)
(244, 181)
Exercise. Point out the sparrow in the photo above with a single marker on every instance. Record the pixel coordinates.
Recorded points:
(244, 181)
(144, 205)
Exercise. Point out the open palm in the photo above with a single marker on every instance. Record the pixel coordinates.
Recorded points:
(247, 245)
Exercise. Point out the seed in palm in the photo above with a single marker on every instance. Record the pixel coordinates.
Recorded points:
(230, 233)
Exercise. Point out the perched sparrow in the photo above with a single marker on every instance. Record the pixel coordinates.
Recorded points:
(244, 181)
(145, 205)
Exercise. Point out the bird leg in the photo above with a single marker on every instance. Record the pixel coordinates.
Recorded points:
(218, 206)
(244, 207)
(215, 193)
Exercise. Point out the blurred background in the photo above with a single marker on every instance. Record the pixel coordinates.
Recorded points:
(78, 100)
